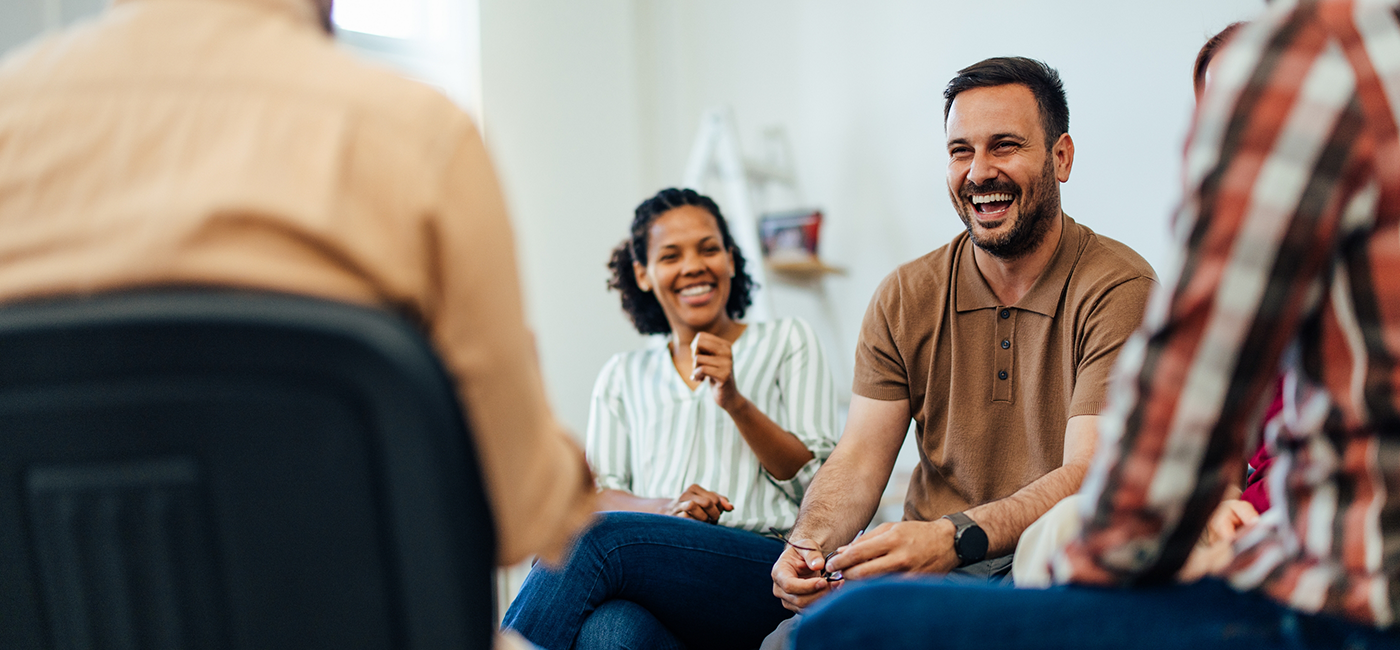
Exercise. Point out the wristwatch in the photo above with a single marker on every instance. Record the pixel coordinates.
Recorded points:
(969, 540)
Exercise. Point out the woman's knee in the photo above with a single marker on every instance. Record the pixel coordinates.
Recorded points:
(614, 530)
(624, 625)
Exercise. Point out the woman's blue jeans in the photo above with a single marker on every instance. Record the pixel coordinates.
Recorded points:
(1208, 615)
(679, 582)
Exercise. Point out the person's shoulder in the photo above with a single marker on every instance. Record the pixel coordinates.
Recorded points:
(32, 59)
(656, 345)
(300, 65)
(1103, 259)
(623, 367)
(58, 58)
(926, 276)
(792, 330)
(243, 51)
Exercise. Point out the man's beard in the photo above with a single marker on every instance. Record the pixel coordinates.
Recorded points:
(1035, 213)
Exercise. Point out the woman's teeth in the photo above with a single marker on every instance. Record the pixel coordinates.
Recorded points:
(697, 290)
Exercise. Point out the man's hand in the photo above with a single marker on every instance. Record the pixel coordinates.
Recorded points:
(1231, 516)
(906, 547)
(797, 576)
(699, 504)
(1215, 549)
(842, 497)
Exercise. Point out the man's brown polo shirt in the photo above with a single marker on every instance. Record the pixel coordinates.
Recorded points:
(990, 386)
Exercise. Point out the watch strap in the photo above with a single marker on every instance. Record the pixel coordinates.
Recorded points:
(960, 520)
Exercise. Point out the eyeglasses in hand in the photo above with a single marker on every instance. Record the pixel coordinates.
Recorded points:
(831, 576)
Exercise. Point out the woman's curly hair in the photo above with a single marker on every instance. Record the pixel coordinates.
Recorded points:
(642, 306)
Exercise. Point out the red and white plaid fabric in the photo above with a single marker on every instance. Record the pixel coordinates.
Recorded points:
(1290, 233)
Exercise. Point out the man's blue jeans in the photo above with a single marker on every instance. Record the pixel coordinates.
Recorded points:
(904, 613)
(666, 581)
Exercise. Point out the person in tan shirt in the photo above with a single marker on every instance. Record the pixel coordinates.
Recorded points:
(997, 345)
(230, 143)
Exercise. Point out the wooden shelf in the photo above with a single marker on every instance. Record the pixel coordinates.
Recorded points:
(803, 268)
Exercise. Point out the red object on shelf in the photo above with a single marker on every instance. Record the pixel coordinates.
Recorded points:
(790, 234)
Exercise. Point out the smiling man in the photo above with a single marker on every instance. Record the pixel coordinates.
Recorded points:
(998, 346)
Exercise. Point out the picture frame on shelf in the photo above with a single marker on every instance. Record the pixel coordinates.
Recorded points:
(790, 239)
(790, 236)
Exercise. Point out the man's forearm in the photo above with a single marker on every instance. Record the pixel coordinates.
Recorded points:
(846, 490)
(841, 499)
(1005, 519)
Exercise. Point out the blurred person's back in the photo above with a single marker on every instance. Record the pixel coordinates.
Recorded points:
(149, 145)
(230, 143)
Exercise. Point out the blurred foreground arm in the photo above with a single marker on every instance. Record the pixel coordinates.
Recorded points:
(540, 487)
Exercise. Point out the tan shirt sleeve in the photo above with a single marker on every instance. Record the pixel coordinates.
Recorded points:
(880, 372)
(539, 484)
(1110, 323)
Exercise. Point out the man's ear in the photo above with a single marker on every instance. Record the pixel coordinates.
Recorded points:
(1064, 156)
(640, 273)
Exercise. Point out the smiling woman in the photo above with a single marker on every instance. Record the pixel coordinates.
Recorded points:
(725, 424)
(642, 305)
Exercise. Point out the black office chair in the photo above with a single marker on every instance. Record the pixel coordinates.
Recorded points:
(231, 470)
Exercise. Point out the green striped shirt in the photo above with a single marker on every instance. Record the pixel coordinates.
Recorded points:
(650, 435)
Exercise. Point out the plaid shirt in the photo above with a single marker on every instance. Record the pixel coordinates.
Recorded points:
(1291, 237)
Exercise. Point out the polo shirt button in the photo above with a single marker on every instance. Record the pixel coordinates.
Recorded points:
(1006, 344)
(1001, 375)
(1006, 313)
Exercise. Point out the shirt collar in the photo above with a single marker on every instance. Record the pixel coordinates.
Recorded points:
(302, 10)
(973, 292)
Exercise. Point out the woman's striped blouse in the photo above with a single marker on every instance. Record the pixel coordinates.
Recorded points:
(650, 435)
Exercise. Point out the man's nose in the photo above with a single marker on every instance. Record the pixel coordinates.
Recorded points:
(982, 169)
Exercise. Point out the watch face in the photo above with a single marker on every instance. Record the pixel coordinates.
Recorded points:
(972, 544)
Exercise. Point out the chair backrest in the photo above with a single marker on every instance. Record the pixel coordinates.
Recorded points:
(222, 469)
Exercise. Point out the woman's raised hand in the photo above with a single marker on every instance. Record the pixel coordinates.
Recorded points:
(699, 504)
(713, 359)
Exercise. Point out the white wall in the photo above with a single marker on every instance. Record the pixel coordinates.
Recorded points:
(559, 96)
(590, 107)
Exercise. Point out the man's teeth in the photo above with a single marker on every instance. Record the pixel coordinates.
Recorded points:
(697, 290)
(990, 198)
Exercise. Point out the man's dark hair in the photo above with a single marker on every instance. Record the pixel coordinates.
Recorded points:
(1208, 52)
(1042, 80)
(642, 306)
